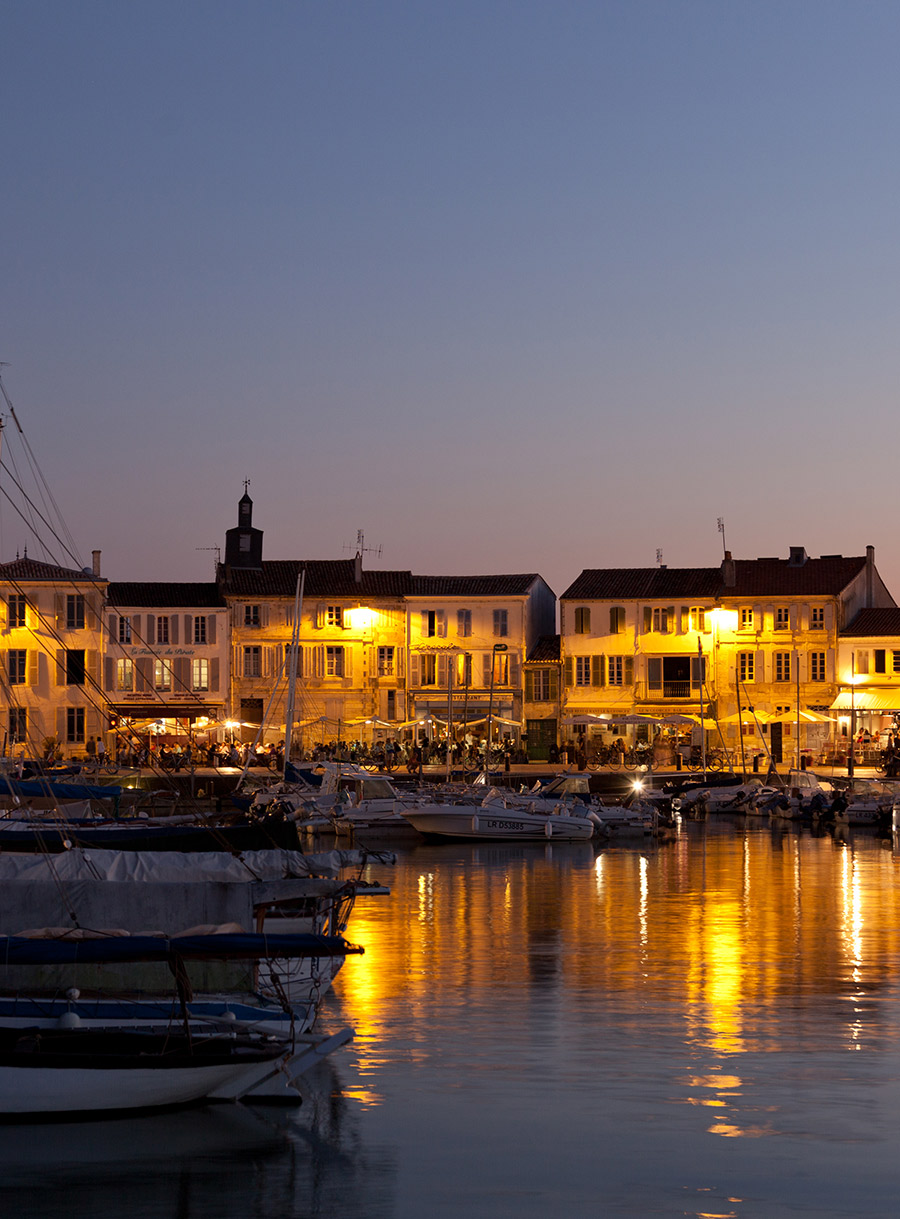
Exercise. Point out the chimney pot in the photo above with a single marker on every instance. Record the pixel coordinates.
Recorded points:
(95, 565)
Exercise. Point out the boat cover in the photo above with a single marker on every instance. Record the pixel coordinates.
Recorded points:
(16, 951)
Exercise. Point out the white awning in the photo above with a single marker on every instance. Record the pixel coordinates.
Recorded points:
(886, 699)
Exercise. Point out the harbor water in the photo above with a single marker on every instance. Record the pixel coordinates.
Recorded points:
(708, 1026)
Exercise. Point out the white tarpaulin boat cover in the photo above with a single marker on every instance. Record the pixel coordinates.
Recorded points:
(189, 868)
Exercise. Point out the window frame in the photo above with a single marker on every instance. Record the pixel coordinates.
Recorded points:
(16, 604)
(19, 676)
(75, 618)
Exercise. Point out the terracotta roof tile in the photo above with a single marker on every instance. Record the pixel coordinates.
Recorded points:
(324, 578)
(472, 586)
(825, 577)
(32, 569)
(160, 595)
(546, 650)
(875, 622)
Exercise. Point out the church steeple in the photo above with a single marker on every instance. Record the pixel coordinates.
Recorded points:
(243, 544)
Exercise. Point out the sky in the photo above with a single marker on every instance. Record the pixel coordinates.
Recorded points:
(510, 286)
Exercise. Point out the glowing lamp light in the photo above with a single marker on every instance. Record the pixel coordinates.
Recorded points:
(637, 785)
(724, 619)
(360, 618)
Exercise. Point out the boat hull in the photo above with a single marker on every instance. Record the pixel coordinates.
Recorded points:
(447, 821)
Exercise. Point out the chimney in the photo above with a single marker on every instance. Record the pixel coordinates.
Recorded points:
(357, 568)
(797, 557)
(870, 577)
(729, 577)
(95, 565)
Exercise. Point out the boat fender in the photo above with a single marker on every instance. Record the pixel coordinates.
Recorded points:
(474, 823)
(548, 829)
(69, 1020)
(598, 821)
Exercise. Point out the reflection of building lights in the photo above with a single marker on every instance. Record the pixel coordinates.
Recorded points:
(637, 785)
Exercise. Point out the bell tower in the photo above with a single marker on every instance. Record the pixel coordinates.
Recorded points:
(243, 544)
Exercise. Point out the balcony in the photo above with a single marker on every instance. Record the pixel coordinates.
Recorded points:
(668, 690)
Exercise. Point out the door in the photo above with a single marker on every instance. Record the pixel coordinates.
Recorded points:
(776, 737)
(541, 735)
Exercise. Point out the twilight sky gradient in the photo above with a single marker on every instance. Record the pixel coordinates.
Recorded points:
(512, 286)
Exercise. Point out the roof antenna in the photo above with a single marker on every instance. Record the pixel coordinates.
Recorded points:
(362, 548)
(720, 524)
(659, 561)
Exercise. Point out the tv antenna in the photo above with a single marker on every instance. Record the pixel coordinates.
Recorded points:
(218, 550)
(361, 547)
(720, 524)
(659, 556)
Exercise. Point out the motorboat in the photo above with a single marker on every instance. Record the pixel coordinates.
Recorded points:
(499, 820)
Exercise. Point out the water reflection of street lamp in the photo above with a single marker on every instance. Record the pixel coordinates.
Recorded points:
(498, 647)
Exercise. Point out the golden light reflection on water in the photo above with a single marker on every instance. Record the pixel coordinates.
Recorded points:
(735, 946)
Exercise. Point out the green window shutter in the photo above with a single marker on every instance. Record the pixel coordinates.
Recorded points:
(529, 686)
(648, 619)
(570, 676)
(629, 670)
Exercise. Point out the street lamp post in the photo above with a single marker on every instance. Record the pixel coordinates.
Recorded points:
(498, 647)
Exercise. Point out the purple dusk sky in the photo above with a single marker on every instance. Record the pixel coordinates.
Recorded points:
(512, 286)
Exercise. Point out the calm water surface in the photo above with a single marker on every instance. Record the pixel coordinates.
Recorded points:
(704, 1027)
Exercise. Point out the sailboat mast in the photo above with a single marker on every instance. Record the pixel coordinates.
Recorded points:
(292, 669)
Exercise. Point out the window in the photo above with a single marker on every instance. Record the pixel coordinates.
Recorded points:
(663, 619)
(540, 679)
(18, 666)
(698, 618)
(124, 630)
(385, 662)
(200, 628)
(862, 662)
(501, 669)
(334, 662)
(75, 670)
(162, 675)
(895, 666)
(879, 660)
(162, 628)
(817, 618)
(746, 666)
(16, 604)
(782, 618)
(817, 666)
(251, 617)
(75, 612)
(746, 618)
(464, 669)
(782, 666)
(582, 670)
(464, 623)
(615, 671)
(253, 661)
(125, 674)
(199, 674)
(617, 620)
(334, 615)
(18, 725)
(74, 725)
(392, 704)
(501, 622)
(427, 670)
(434, 622)
(583, 620)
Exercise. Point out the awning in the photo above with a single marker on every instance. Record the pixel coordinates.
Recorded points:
(167, 711)
(887, 699)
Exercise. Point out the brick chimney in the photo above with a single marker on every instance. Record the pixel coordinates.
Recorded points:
(870, 577)
(95, 565)
(729, 576)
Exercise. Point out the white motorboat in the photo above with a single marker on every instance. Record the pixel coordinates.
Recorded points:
(498, 821)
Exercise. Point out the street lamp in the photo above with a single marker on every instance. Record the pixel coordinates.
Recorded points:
(498, 647)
